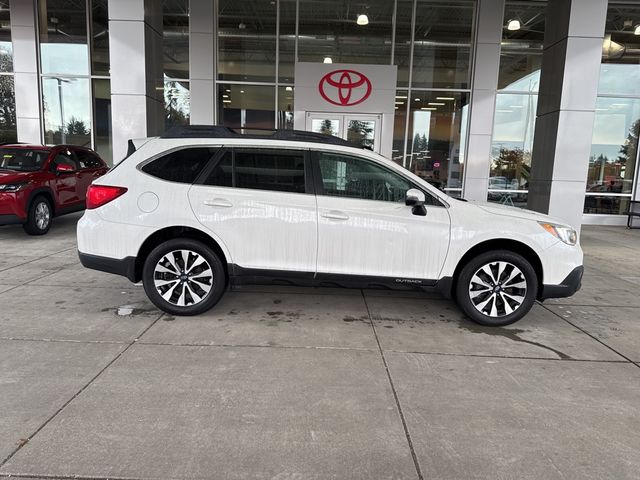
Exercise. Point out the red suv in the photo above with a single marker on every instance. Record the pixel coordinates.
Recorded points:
(38, 183)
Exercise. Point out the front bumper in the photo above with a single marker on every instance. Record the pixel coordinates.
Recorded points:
(570, 285)
(125, 266)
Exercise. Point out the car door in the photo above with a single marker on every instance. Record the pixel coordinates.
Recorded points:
(260, 203)
(64, 183)
(89, 168)
(365, 228)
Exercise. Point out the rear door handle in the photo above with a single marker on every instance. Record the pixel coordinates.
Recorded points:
(218, 202)
(335, 215)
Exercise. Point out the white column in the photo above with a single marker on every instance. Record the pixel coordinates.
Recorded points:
(574, 33)
(25, 67)
(483, 98)
(202, 61)
(137, 86)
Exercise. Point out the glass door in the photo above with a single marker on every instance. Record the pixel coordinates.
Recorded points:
(361, 130)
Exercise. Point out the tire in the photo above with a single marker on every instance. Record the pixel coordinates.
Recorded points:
(39, 216)
(168, 284)
(497, 288)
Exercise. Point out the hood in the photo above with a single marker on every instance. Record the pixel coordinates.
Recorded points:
(11, 176)
(507, 211)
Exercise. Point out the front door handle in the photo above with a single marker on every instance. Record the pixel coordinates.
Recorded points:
(335, 215)
(218, 202)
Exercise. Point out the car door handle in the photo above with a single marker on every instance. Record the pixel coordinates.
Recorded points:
(218, 202)
(335, 215)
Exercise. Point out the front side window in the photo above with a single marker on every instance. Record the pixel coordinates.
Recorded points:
(22, 159)
(281, 170)
(351, 177)
(182, 166)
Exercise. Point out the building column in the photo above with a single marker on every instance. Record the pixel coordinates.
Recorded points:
(137, 85)
(574, 33)
(483, 99)
(202, 61)
(25, 68)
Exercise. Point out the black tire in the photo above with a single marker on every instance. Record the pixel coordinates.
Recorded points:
(39, 216)
(182, 287)
(501, 296)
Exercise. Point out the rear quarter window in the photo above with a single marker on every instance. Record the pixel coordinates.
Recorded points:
(181, 166)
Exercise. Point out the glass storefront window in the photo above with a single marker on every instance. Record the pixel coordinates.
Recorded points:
(399, 127)
(7, 110)
(521, 48)
(513, 128)
(63, 38)
(177, 103)
(437, 121)
(175, 38)
(328, 29)
(620, 69)
(6, 47)
(287, 40)
(67, 115)
(99, 38)
(247, 40)
(246, 106)
(442, 44)
(402, 51)
(285, 107)
(102, 119)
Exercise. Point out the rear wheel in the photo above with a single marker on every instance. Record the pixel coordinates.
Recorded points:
(183, 277)
(39, 217)
(497, 288)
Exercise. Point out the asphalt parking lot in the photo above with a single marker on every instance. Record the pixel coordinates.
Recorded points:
(292, 383)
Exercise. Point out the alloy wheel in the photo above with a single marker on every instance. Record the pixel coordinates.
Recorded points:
(497, 289)
(42, 215)
(183, 277)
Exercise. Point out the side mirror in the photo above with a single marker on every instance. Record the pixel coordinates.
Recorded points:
(415, 198)
(64, 168)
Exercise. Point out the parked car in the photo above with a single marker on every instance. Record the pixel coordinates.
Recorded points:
(40, 182)
(199, 208)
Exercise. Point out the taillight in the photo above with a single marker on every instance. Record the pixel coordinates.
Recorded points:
(99, 195)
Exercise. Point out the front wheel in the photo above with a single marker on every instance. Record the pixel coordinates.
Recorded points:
(38, 217)
(183, 277)
(497, 288)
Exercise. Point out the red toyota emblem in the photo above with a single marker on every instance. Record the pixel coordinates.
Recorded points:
(344, 87)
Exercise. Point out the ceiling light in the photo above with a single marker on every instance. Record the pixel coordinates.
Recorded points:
(401, 96)
(288, 89)
(327, 60)
(416, 99)
(241, 26)
(362, 19)
(226, 101)
(445, 98)
(241, 91)
(225, 96)
(513, 25)
(637, 30)
(436, 103)
(428, 108)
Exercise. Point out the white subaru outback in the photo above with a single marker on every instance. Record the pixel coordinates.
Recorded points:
(199, 208)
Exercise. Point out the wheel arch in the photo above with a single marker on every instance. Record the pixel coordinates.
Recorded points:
(514, 246)
(170, 233)
(45, 192)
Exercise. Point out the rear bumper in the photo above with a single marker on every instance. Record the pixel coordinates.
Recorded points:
(570, 285)
(125, 267)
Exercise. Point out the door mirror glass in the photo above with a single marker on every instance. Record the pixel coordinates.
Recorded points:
(414, 197)
(64, 168)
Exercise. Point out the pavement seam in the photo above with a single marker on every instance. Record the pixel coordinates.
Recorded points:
(28, 282)
(592, 336)
(393, 390)
(82, 389)
(36, 259)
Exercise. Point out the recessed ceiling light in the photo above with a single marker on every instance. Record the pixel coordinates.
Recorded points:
(637, 30)
(428, 108)
(513, 25)
(416, 99)
(327, 60)
(401, 96)
(362, 19)
(241, 91)
(445, 98)
(436, 103)
(289, 89)
(226, 101)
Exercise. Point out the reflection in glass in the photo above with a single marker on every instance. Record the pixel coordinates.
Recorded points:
(7, 110)
(327, 126)
(437, 122)
(63, 38)
(402, 51)
(99, 37)
(511, 147)
(328, 28)
(67, 117)
(361, 133)
(442, 44)
(247, 40)
(285, 107)
(521, 50)
(246, 106)
(399, 126)
(620, 69)
(102, 116)
(6, 47)
(605, 205)
(175, 38)
(177, 103)
(287, 41)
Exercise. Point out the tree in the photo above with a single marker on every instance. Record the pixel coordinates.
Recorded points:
(7, 102)
(76, 127)
(326, 127)
(361, 133)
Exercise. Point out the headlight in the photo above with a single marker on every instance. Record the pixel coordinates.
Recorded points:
(13, 187)
(567, 234)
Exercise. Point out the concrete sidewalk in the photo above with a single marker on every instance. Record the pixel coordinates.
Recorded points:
(293, 383)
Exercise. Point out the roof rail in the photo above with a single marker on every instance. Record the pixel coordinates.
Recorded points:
(218, 131)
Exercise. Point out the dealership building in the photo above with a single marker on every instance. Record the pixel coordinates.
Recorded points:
(523, 102)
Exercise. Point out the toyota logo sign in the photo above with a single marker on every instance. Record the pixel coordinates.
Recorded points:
(344, 87)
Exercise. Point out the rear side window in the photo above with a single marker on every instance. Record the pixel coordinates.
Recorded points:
(88, 159)
(182, 166)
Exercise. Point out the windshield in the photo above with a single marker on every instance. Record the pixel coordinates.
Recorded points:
(22, 159)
